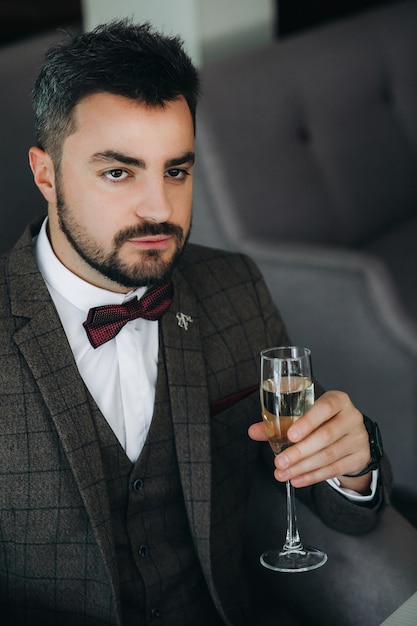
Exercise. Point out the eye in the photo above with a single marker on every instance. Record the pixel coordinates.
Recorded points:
(176, 173)
(116, 174)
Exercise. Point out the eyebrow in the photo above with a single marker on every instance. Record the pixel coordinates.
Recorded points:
(110, 156)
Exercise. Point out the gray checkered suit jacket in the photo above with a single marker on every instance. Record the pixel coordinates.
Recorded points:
(56, 551)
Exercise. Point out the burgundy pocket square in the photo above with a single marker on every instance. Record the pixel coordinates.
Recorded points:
(224, 403)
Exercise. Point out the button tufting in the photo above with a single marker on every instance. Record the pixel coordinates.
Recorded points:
(303, 134)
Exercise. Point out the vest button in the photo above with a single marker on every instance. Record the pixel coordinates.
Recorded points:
(143, 551)
(137, 485)
(155, 613)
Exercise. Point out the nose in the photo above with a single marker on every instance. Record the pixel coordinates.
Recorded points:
(155, 204)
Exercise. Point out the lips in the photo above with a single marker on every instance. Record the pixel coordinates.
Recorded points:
(149, 235)
(154, 243)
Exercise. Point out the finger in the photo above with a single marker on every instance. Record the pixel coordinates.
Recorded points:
(325, 408)
(346, 455)
(327, 463)
(336, 469)
(315, 445)
(257, 432)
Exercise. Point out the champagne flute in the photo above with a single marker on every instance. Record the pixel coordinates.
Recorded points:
(287, 392)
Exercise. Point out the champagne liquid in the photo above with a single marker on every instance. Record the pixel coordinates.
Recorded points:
(282, 407)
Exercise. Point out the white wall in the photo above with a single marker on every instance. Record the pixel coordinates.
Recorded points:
(209, 28)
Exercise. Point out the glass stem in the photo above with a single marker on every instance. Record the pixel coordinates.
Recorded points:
(292, 540)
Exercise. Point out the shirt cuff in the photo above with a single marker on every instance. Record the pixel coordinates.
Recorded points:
(354, 495)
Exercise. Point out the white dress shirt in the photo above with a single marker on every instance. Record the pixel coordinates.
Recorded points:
(121, 373)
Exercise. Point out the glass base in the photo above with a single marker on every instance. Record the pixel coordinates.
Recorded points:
(301, 560)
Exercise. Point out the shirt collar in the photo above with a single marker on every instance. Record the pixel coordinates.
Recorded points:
(74, 289)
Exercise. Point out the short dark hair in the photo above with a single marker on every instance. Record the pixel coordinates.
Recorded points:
(122, 58)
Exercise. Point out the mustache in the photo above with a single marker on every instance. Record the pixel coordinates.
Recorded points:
(151, 229)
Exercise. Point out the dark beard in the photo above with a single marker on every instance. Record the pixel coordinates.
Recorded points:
(151, 269)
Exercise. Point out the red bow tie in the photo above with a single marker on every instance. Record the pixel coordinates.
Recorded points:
(104, 322)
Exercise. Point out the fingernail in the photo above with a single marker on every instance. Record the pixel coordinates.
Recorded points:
(282, 461)
(295, 434)
(282, 475)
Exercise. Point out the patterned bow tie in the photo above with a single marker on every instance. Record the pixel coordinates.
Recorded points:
(104, 322)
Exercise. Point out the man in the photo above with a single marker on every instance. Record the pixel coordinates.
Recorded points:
(126, 464)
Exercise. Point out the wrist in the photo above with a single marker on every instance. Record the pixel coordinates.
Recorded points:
(361, 484)
(375, 447)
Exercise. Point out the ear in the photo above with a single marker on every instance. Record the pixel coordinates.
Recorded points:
(43, 173)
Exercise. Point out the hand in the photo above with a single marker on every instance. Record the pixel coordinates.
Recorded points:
(330, 440)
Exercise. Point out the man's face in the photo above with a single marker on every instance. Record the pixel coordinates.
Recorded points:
(123, 191)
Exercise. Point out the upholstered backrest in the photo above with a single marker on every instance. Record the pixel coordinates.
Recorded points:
(314, 137)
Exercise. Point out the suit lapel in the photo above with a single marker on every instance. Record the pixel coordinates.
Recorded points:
(43, 345)
(189, 403)
(187, 384)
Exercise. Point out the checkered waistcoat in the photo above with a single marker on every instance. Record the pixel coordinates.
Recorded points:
(160, 577)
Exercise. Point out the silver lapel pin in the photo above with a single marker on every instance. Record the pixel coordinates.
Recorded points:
(183, 320)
